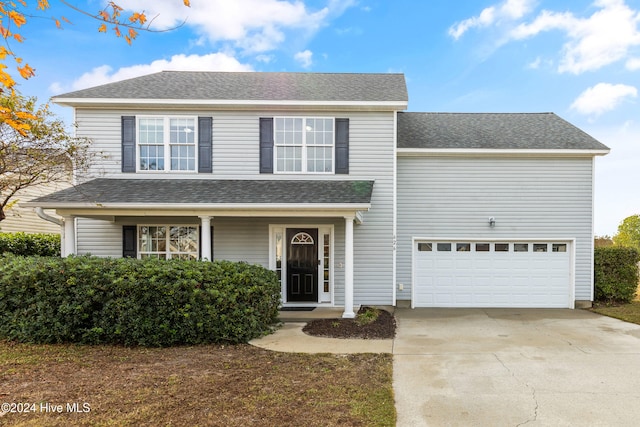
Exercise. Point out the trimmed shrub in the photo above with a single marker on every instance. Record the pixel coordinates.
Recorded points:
(616, 274)
(30, 244)
(127, 301)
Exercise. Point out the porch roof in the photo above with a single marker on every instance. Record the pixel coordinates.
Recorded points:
(199, 194)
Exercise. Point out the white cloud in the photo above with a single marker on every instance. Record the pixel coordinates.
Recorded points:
(633, 64)
(590, 43)
(253, 25)
(535, 64)
(593, 42)
(304, 58)
(509, 10)
(603, 97)
(105, 74)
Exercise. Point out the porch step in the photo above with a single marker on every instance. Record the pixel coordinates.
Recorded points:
(321, 313)
(317, 313)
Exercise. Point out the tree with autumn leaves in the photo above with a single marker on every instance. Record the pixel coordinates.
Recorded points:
(34, 146)
(39, 152)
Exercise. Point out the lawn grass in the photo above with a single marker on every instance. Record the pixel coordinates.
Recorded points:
(627, 312)
(206, 386)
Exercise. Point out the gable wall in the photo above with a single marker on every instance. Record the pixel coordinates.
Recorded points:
(529, 197)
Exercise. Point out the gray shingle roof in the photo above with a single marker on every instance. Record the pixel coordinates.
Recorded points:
(170, 192)
(538, 131)
(247, 86)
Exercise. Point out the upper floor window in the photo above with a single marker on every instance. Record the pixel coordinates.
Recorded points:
(304, 145)
(167, 144)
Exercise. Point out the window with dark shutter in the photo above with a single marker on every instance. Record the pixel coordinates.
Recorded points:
(128, 144)
(342, 146)
(266, 145)
(205, 144)
(129, 241)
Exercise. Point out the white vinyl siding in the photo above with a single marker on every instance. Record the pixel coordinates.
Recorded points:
(529, 197)
(247, 239)
(99, 238)
(236, 151)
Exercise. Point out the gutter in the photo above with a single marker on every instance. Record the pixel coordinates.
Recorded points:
(40, 212)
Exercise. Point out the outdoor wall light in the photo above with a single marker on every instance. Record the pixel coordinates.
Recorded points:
(492, 222)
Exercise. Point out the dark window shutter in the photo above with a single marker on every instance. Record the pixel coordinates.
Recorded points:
(266, 145)
(129, 241)
(205, 144)
(342, 146)
(128, 144)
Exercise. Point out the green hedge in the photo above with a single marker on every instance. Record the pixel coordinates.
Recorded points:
(616, 274)
(134, 302)
(30, 244)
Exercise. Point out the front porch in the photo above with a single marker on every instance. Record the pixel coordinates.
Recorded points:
(303, 230)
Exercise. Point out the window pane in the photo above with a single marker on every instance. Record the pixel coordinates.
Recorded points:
(540, 247)
(183, 156)
(482, 247)
(151, 157)
(444, 247)
(559, 247)
(319, 159)
(502, 247)
(151, 131)
(182, 131)
(463, 247)
(424, 247)
(521, 247)
(326, 262)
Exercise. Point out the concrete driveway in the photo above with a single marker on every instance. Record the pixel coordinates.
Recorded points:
(513, 367)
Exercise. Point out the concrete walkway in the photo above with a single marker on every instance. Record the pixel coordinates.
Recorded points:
(501, 367)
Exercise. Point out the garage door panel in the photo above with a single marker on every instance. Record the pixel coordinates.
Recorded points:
(538, 277)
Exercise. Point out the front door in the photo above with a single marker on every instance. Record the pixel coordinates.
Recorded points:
(302, 265)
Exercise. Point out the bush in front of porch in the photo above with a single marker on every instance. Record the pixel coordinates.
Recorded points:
(148, 302)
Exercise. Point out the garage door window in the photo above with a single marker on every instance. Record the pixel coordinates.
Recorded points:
(559, 247)
(463, 247)
(425, 247)
(483, 247)
(502, 247)
(521, 247)
(540, 247)
(444, 247)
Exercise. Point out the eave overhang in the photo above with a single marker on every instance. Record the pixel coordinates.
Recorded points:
(492, 152)
(225, 104)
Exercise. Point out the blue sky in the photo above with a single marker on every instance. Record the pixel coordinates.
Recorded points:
(579, 59)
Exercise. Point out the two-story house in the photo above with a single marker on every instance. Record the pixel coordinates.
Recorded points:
(323, 178)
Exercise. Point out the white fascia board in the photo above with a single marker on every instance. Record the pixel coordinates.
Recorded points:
(202, 206)
(408, 152)
(226, 103)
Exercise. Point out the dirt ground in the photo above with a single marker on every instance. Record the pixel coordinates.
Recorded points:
(240, 385)
(383, 327)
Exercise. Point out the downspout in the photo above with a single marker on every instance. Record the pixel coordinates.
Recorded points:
(41, 213)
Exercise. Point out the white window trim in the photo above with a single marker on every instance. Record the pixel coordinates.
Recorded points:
(167, 144)
(304, 147)
(167, 251)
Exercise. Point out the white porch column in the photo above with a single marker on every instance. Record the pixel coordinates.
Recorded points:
(68, 238)
(205, 237)
(348, 268)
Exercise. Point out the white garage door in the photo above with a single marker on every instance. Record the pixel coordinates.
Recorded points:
(492, 274)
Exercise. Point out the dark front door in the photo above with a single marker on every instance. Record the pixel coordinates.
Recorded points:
(302, 265)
